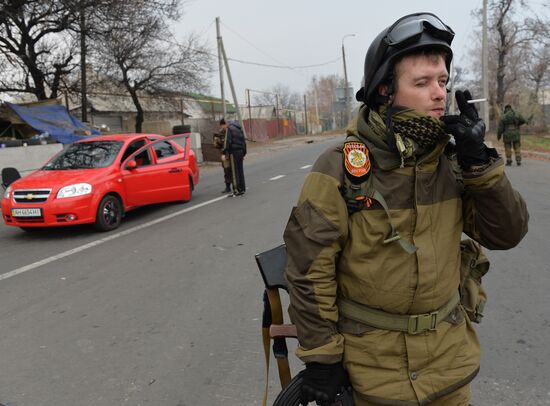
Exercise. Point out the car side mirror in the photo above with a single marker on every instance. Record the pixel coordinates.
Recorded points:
(131, 165)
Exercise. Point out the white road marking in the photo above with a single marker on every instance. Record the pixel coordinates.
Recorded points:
(277, 177)
(103, 240)
(305, 167)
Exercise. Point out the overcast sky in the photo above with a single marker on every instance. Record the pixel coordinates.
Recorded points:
(308, 32)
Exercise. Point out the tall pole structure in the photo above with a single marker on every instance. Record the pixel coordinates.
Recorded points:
(249, 111)
(277, 113)
(346, 96)
(83, 81)
(485, 69)
(317, 119)
(220, 64)
(305, 114)
(235, 101)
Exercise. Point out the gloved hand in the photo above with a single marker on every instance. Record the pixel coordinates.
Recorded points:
(469, 132)
(322, 382)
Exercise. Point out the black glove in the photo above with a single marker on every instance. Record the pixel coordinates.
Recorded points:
(322, 382)
(469, 132)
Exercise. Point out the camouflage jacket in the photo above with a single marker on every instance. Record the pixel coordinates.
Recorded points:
(508, 126)
(332, 254)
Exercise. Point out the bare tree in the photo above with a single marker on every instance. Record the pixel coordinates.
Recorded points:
(89, 14)
(287, 99)
(511, 40)
(135, 49)
(321, 94)
(537, 78)
(538, 70)
(34, 46)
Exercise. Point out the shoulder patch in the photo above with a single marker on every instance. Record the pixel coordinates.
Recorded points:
(356, 159)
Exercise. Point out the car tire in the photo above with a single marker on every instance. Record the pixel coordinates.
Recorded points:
(191, 189)
(109, 213)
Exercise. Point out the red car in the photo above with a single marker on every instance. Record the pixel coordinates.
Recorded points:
(98, 179)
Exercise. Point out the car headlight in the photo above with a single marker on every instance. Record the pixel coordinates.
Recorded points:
(79, 189)
(7, 193)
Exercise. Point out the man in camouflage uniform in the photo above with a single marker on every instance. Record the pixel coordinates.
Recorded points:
(219, 141)
(374, 242)
(508, 130)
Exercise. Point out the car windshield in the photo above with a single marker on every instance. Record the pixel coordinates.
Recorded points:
(85, 155)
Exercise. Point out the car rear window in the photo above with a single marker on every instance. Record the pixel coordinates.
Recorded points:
(85, 155)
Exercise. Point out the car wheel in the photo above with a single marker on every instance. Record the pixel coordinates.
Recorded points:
(109, 213)
(191, 188)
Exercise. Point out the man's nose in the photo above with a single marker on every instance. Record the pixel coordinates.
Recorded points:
(439, 92)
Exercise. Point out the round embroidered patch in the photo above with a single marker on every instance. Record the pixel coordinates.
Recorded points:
(356, 159)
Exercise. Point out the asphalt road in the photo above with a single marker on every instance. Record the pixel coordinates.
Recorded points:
(166, 310)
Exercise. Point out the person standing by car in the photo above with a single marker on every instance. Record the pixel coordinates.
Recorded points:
(508, 130)
(219, 141)
(235, 148)
(374, 243)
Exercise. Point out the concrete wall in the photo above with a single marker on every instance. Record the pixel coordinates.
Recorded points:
(32, 157)
(27, 159)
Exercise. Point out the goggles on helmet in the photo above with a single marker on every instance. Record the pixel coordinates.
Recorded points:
(410, 28)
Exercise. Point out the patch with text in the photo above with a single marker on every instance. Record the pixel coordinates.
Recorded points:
(356, 159)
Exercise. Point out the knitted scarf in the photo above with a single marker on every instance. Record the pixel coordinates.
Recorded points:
(415, 133)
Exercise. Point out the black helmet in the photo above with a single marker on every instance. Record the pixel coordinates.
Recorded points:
(408, 34)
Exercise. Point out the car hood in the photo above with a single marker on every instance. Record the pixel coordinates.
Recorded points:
(53, 179)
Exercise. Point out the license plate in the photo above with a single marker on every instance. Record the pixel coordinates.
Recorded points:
(27, 212)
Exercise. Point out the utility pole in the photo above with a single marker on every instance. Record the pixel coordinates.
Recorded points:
(305, 114)
(232, 87)
(249, 111)
(220, 64)
(84, 101)
(277, 113)
(485, 70)
(346, 96)
(316, 110)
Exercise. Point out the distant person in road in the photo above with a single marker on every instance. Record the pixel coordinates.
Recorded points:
(219, 141)
(508, 130)
(235, 148)
(374, 242)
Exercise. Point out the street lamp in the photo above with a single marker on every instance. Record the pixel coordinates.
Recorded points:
(346, 98)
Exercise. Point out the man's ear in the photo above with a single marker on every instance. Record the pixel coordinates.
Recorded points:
(383, 89)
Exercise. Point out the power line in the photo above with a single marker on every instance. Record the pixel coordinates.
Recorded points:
(285, 67)
(254, 63)
(281, 64)
(252, 45)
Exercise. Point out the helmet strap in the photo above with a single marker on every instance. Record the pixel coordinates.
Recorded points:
(389, 111)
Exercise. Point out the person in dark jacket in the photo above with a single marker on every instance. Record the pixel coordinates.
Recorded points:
(508, 130)
(235, 148)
